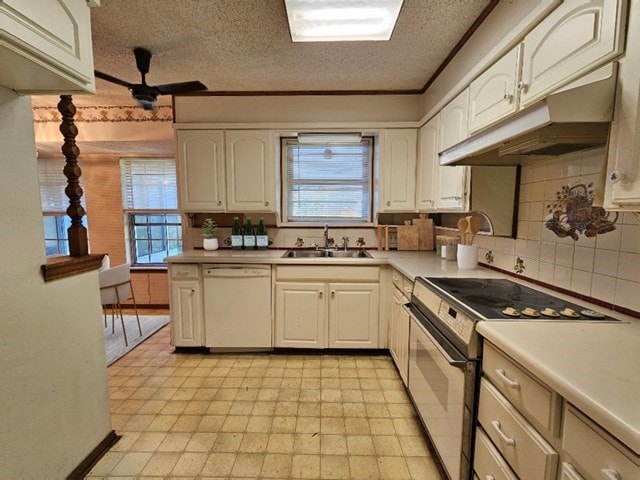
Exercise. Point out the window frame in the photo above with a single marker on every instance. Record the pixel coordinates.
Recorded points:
(285, 143)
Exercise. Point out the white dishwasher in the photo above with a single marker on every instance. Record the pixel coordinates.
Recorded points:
(237, 307)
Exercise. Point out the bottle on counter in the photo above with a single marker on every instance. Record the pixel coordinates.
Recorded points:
(249, 237)
(236, 234)
(262, 239)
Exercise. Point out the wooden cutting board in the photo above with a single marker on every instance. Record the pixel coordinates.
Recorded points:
(408, 237)
(425, 232)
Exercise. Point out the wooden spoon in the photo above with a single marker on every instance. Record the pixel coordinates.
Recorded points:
(474, 227)
(463, 224)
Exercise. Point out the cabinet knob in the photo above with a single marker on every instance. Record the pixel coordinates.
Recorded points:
(522, 86)
(193, 290)
(610, 474)
(333, 293)
(320, 293)
(507, 97)
(219, 202)
(266, 204)
(617, 176)
(388, 203)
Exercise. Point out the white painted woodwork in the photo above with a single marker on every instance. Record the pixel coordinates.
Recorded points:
(250, 170)
(569, 472)
(186, 313)
(574, 39)
(399, 170)
(592, 452)
(201, 170)
(493, 95)
(487, 461)
(353, 315)
(300, 315)
(452, 187)
(46, 50)
(399, 332)
(453, 121)
(427, 168)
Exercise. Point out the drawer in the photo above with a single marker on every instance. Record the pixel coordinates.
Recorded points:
(407, 287)
(594, 455)
(328, 273)
(487, 462)
(568, 472)
(534, 400)
(526, 451)
(397, 279)
(183, 271)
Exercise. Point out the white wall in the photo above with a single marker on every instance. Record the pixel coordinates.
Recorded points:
(53, 398)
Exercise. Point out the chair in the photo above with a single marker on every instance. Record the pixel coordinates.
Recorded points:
(115, 288)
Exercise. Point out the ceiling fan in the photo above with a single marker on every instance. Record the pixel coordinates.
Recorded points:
(145, 94)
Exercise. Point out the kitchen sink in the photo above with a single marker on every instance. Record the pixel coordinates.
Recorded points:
(326, 254)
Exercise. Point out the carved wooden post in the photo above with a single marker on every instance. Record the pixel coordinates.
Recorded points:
(78, 245)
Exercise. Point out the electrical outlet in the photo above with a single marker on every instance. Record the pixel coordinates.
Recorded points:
(393, 238)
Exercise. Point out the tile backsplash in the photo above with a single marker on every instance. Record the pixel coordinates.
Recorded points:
(582, 248)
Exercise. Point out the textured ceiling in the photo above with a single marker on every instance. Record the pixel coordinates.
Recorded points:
(244, 45)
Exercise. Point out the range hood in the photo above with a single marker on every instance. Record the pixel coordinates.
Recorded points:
(574, 118)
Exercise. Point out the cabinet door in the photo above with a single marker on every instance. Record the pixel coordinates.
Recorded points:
(453, 121)
(201, 170)
(399, 170)
(353, 315)
(250, 171)
(394, 319)
(492, 95)
(427, 166)
(575, 38)
(453, 188)
(186, 314)
(300, 315)
(403, 344)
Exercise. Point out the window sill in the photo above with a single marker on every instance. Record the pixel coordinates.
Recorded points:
(64, 266)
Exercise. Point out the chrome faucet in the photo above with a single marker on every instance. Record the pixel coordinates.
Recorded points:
(345, 243)
(325, 232)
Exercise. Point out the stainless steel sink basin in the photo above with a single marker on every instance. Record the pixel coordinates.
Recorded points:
(326, 254)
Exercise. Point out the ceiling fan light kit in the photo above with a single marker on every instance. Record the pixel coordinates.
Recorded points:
(146, 95)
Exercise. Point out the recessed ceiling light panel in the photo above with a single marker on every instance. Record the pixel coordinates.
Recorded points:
(342, 20)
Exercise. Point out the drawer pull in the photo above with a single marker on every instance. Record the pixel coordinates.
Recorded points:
(503, 376)
(610, 474)
(508, 441)
(408, 289)
(489, 477)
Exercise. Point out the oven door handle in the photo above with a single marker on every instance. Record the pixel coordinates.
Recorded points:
(451, 361)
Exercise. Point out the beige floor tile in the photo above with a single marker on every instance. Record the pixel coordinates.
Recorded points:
(131, 463)
(201, 442)
(364, 468)
(254, 443)
(407, 426)
(196, 407)
(241, 407)
(286, 409)
(393, 468)
(330, 409)
(152, 407)
(305, 466)
(280, 443)
(370, 384)
(330, 383)
(352, 395)
(219, 407)
(354, 409)
(148, 442)
(259, 424)
(227, 442)
(235, 423)
(162, 423)
(356, 426)
(334, 467)
(226, 394)
(332, 425)
(219, 464)
(423, 468)
(126, 440)
(283, 424)
(268, 394)
(305, 443)
(360, 445)
(401, 410)
(161, 464)
(138, 423)
(186, 423)
(333, 444)
(308, 425)
(377, 410)
(387, 445)
(248, 465)
(396, 396)
(211, 423)
(414, 446)
(331, 395)
(309, 409)
(106, 464)
(277, 465)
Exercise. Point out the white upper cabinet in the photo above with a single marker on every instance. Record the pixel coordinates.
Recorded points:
(493, 94)
(428, 164)
(575, 38)
(46, 49)
(201, 170)
(453, 188)
(250, 171)
(453, 121)
(399, 170)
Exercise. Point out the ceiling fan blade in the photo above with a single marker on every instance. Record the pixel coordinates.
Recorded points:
(143, 59)
(111, 79)
(184, 87)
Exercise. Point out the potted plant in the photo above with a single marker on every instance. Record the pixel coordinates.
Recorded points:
(209, 230)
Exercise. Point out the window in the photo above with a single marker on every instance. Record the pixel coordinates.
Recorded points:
(54, 205)
(327, 181)
(150, 201)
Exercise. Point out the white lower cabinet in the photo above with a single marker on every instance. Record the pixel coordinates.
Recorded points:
(312, 311)
(399, 333)
(186, 313)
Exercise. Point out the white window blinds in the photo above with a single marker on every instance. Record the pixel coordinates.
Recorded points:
(149, 184)
(328, 181)
(52, 184)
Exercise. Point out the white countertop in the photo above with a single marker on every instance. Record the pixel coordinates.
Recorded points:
(595, 366)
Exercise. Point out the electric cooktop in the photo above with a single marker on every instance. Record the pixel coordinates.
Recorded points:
(504, 299)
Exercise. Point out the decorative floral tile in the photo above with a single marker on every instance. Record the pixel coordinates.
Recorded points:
(519, 266)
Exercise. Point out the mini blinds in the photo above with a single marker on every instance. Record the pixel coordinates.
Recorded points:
(330, 181)
(52, 184)
(149, 184)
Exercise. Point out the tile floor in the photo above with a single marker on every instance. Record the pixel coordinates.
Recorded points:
(261, 416)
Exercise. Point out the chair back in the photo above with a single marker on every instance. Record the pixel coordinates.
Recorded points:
(116, 278)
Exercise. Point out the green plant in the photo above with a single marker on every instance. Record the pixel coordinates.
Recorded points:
(209, 228)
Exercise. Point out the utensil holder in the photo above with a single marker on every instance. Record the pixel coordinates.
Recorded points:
(467, 257)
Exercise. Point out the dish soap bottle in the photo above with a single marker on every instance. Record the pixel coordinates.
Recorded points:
(262, 240)
(249, 237)
(236, 234)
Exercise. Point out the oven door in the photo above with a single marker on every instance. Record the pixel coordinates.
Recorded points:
(438, 378)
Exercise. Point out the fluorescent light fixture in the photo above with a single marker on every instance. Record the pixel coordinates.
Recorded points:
(328, 138)
(342, 20)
